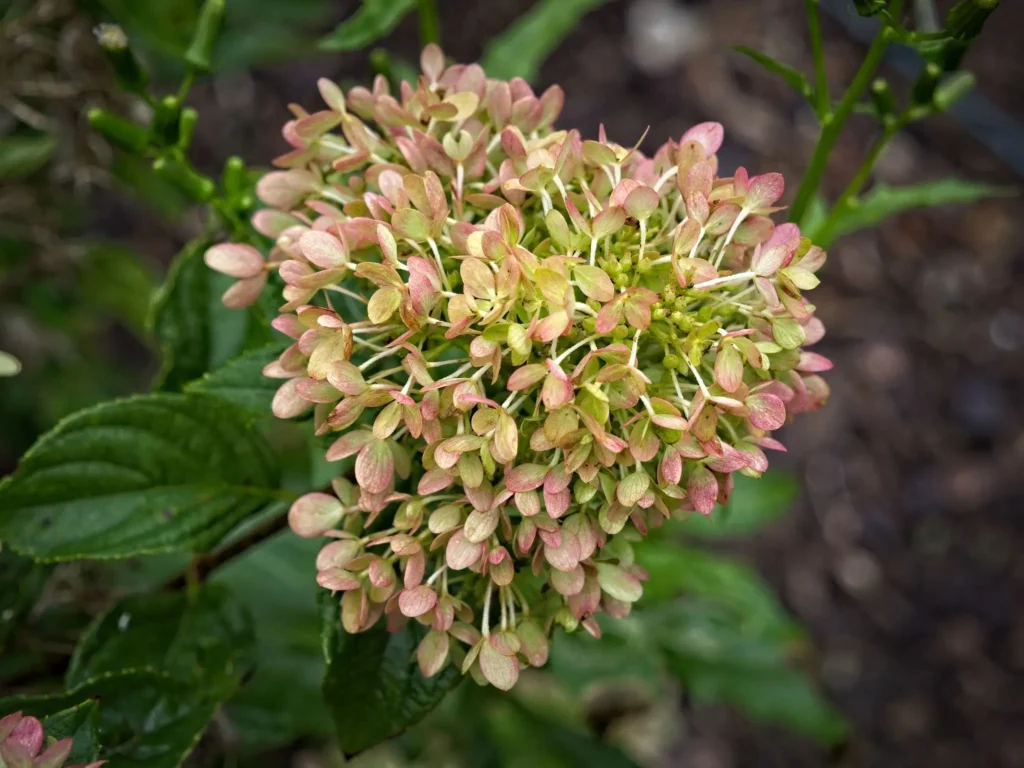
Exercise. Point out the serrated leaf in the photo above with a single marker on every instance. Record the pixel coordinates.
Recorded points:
(717, 663)
(884, 201)
(21, 156)
(281, 703)
(692, 572)
(373, 685)
(725, 635)
(196, 331)
(147, 474)
(159, 666)
(521, 49)
(373, 20)
(241, 381)
(201, 639)
(79, 723)
(794, 78)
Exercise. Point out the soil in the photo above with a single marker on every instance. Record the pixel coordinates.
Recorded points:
(902, 553)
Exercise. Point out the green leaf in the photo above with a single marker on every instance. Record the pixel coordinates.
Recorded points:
(555, 740)
(160, 666)
(884, 201)
(197, 332)
(625, 652)
(21, 581)
(115, 281)
(373, 684)
(146, 719)
(794, 78)
(729, 640)
(281, 703)
(754, 504)
(79, 723)
(714, 579)
(768, 691)
(21, 156)
(164, 25)
(521, 49)
(254, 30)
(203, 640)
(241, 381)
(147, 474)
(373, 20)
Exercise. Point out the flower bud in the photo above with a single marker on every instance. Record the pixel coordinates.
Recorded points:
(952, 89)
(926, 83)
(193, 184)
(127, 135)
(211, 18)
(565, 619)
(882, 98)
(167, 120)
(129, 73)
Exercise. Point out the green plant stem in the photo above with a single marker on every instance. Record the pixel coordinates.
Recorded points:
(821, 96)
(860, 178)
(186, 86)
(430, 23)
(833, 123)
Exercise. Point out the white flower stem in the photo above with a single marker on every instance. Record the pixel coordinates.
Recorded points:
(632, 355)
(665, 177)
(573, 348)
(346, 292)
(700, 381)
(485, 625)
(385, 353)
(440, 266)
(727, 279)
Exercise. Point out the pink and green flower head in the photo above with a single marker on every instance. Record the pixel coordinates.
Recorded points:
(537, 347)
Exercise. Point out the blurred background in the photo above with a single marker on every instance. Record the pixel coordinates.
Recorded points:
(900, 550)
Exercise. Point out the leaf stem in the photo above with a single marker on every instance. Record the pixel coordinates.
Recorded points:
(860, 178)
(201, 566)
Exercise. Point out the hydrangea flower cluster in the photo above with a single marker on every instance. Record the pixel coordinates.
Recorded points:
(536, 347)
(21, 745)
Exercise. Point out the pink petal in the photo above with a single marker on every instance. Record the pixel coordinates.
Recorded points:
(234, 260)
(767, 411)
(702, 489)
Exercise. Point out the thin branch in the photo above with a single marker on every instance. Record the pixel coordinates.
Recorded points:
(200, 568)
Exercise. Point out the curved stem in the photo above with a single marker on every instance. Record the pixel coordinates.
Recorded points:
(833, 123)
